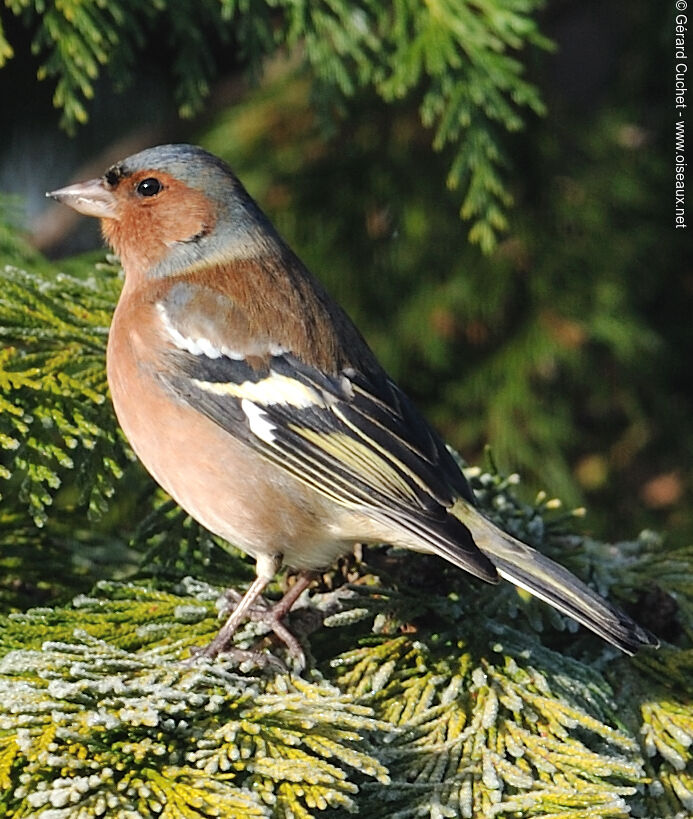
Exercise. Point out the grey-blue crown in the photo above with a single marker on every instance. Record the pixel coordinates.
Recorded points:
(190, 163)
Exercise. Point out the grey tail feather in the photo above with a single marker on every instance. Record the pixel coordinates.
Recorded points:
(551, 582)
(450, 539)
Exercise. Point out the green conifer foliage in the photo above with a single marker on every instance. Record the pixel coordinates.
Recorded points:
(428, 695)
(53, 384)
(99, 716)
(459, 60)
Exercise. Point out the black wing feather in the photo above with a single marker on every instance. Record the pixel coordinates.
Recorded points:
(361, 443)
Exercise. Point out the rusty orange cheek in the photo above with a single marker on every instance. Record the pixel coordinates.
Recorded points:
(147, 227)
(179, 212)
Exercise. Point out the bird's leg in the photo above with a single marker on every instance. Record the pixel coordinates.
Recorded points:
(272, 616)
(283, 606)
(240, 612)
(251, 606)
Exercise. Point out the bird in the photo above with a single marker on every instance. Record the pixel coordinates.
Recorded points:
(252, 398)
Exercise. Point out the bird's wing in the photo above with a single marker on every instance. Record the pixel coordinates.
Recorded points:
(354, 438)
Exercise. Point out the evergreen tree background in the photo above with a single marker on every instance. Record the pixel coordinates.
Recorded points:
(495, 214)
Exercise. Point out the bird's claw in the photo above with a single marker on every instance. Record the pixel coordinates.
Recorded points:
(259, 612)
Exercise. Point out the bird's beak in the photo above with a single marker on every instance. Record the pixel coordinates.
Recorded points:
(92, 198)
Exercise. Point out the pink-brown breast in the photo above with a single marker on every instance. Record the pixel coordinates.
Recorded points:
(221, 482)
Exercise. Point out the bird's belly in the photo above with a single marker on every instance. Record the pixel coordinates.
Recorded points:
(221, 482)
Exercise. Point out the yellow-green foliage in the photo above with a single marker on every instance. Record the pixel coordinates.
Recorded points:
(52, 377)
(428, 694)
(101, 715)
(94, 726)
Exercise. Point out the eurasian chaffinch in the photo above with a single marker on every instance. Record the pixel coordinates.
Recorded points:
(254, 401)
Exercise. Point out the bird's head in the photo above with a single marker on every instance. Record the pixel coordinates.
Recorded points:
(172, 208)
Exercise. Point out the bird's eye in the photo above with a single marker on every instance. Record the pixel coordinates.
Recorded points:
(149, 187)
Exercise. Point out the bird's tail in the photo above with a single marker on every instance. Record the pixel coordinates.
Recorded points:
(547, 580)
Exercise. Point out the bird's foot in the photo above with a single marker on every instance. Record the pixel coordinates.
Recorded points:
(255, 608)
(270, 616)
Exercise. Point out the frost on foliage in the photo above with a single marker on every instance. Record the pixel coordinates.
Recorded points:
(422, 700)
(666, 732)
(495, 738)
(89, 728)
(100, 715)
